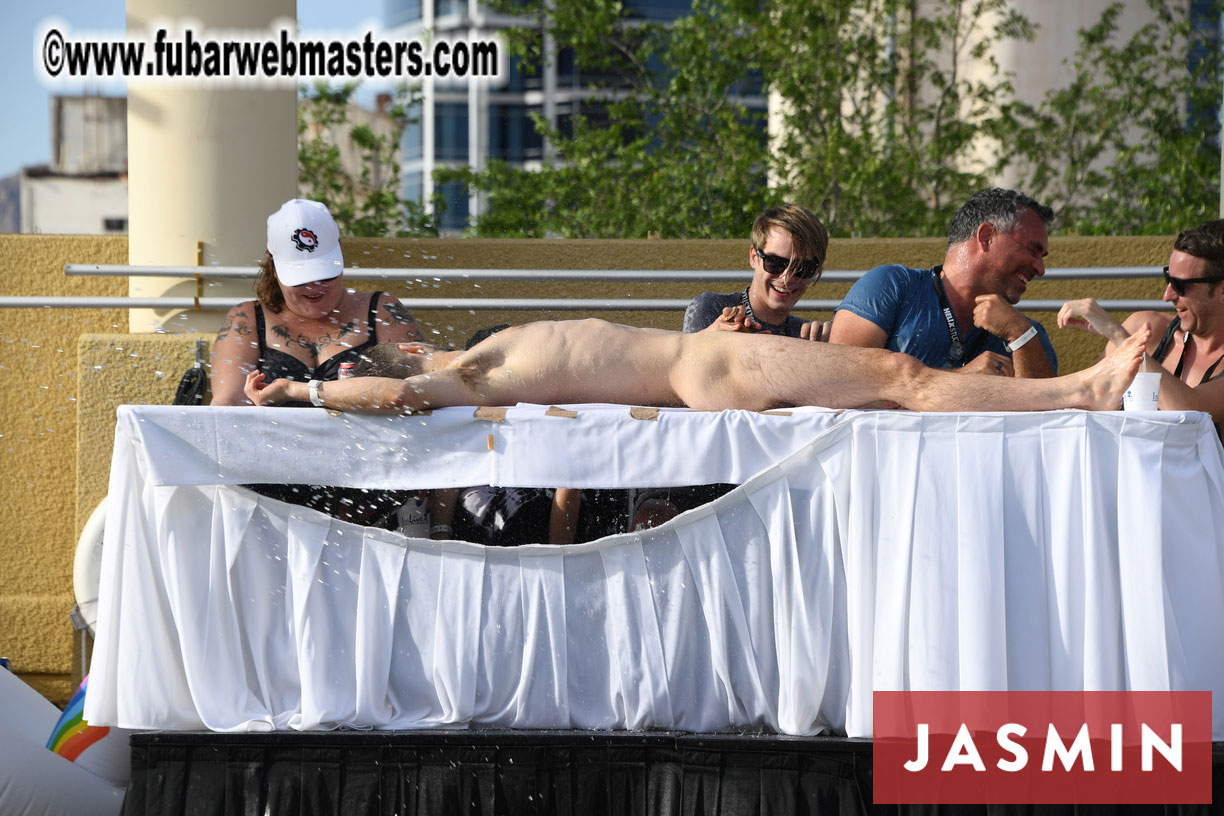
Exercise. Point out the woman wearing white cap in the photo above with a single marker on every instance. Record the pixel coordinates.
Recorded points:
(304, 323)
(302, 326)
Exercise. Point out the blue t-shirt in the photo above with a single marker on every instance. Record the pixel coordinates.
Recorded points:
(903, 302)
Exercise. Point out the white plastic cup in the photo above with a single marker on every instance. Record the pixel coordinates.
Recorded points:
(1143, 393)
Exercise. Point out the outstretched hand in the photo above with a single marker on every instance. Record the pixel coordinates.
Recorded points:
(1085, 314)
(261, 392)
(735, 319)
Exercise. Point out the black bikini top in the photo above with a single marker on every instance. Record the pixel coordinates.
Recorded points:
(277, 364)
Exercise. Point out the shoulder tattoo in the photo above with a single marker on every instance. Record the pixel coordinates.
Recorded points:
(397, 312)
(399, 315)
(237, 326)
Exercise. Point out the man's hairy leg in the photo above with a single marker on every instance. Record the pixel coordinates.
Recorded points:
(1098, 388)
(760, 371)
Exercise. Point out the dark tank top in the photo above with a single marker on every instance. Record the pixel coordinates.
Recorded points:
(1163, 347)
(369, 507)
(276, 364)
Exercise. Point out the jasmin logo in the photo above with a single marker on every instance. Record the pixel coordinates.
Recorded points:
(965, 752)
(1042, 747)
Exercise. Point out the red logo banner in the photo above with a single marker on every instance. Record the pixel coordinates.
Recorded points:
(1042, 747)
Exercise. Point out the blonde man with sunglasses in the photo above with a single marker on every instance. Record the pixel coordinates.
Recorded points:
(1187, 345)
(786, 255)
(962, 313)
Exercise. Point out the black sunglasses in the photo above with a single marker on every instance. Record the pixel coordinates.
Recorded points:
(776, 265)
(1179, 284)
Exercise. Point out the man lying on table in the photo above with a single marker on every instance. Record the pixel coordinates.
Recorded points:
(571, 361)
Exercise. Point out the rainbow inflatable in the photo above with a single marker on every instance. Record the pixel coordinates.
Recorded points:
(83, 774)
(72, 735)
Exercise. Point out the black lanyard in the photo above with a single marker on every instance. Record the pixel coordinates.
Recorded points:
(958, 348)
(778, 328)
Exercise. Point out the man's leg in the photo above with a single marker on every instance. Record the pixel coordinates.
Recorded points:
(771, 373)
(1098, 388)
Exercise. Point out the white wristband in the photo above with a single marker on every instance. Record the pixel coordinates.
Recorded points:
(315, 399)
(1015, 345)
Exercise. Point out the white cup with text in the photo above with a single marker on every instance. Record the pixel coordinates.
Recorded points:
(1143, 393)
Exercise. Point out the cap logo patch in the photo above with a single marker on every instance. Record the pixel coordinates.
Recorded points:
(305, 239)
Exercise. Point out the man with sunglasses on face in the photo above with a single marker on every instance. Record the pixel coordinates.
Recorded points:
(962, 314)
(1188, 345)
(787, 252)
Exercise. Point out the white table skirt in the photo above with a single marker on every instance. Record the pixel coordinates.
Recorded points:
(876, 550)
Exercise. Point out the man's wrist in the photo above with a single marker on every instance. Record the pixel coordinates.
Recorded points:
(1015, 345)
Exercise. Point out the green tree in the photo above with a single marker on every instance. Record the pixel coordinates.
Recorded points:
(879, 126)
(879, 119)
(667, 148)
(883, 124)
(1131, 144)
(369, 205)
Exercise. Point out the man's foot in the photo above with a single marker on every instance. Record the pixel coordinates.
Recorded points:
(1108, 380)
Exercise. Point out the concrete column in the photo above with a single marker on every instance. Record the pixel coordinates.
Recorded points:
(206, 165)
(429, 151)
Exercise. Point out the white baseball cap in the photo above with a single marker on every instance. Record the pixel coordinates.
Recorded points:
(305, 243)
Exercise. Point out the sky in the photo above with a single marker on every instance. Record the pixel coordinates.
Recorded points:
(25, 138)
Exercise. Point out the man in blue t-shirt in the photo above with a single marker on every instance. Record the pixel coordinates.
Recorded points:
(962, 314)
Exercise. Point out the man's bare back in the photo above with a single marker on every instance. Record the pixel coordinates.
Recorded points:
(595, 361)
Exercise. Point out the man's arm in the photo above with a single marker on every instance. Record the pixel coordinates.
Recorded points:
(1088, 315)
(1175, 395)
(1030, 360)
(994, 314)
(851, 330)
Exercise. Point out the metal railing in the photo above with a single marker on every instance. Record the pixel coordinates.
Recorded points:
(202, 273)
(560, 275)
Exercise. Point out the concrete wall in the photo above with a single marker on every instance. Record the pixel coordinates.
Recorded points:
(63, 372)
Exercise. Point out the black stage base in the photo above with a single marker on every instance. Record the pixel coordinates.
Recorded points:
(525, 772)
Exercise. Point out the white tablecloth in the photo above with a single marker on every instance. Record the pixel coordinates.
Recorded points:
(876, 550)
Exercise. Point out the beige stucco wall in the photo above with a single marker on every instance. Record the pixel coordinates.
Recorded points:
(62, 372)
(38, 406)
